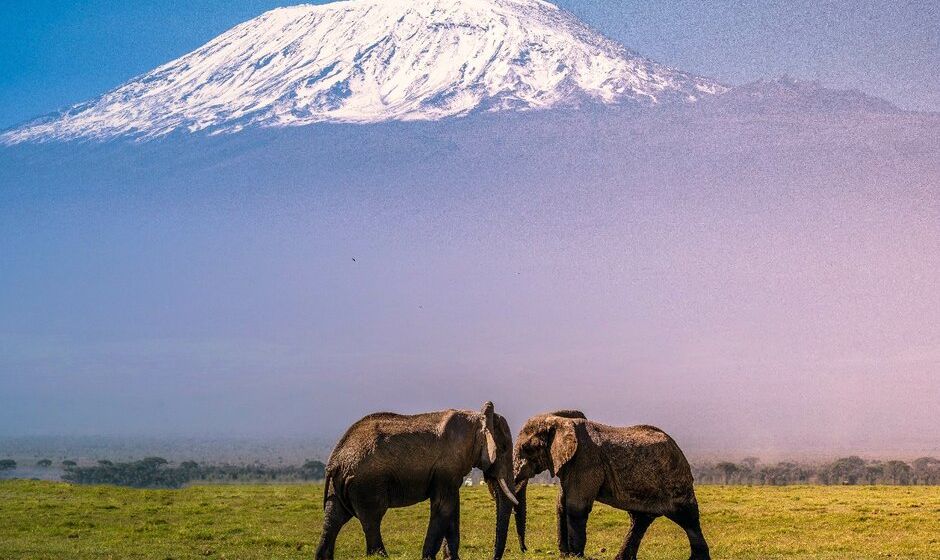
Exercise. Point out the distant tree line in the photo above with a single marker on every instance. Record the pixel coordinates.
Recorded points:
(156, 472)
(846, 470)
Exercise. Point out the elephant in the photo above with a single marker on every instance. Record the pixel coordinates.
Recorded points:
(388, 460)
(639, 469)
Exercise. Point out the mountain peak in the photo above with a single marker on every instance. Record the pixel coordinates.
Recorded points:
(365, 61)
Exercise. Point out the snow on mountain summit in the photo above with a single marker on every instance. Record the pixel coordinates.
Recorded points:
(365, 61)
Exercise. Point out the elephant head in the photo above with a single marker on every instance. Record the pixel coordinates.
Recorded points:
(496, 453)
(546, 442)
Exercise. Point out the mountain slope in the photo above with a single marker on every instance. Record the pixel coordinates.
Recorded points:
(789, 94)
(366, 61)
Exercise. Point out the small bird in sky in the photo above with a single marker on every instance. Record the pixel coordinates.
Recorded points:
(354, 259)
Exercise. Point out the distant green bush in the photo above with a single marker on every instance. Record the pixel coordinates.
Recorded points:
(156, 472)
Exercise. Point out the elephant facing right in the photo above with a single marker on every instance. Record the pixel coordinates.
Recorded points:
(639, 469)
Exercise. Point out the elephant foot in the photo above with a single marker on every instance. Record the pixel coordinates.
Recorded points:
(446, 554)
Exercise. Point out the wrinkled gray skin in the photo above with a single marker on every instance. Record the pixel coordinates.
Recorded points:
(391, 460)
(639, 469)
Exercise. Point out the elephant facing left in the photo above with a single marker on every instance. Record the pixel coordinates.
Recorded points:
(388, 460)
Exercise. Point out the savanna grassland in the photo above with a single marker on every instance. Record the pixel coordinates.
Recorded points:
(41, 520)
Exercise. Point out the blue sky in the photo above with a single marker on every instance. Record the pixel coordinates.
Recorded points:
(57, 52)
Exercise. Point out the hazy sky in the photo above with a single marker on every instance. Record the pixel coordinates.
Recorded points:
(57, 52)
(749, 289)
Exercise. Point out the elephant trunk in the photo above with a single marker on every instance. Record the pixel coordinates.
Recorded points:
(503, 512)
(521, 513)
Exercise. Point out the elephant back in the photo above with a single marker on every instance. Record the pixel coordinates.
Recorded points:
(390, 442)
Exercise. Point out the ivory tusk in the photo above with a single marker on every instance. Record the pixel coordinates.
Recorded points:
(502, 484)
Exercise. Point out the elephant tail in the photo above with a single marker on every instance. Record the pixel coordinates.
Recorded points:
(327, 488)
(335, 491)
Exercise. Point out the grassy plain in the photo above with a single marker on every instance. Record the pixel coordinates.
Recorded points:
(43, 520)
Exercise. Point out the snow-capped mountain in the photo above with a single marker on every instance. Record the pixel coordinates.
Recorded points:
(366, 61)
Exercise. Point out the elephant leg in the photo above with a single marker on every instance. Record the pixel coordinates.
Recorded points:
(370, 503)
(334, 517)
(452, 535)
(577, 529)
(443, 506)
(372, 527)
(687, 517)
(562, 514)
(641, 522)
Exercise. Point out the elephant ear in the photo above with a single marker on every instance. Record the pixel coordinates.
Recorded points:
(564, 444)
(488, 451)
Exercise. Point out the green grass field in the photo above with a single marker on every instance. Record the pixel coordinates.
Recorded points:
(48, 520)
